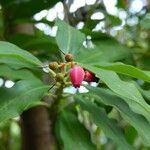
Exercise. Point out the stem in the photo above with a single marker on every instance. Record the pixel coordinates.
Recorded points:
(54, 110)
(51, 72)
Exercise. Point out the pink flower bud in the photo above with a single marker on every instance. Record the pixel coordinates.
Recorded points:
(76, 76)
(89, 77)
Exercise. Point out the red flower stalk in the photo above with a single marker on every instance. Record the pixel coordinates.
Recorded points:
(76, 76)
(89, 76)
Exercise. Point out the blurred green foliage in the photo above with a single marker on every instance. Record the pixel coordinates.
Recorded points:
(115, 114)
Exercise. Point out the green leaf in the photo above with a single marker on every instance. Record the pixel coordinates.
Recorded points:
(145, 93)
(43, 46)
(125, 90)
(109, 126)
(68, 38)
(105, 50)
(23, 95)
(16, 57)
(137, 121)
(127, 70)
(72, 133)
(13, 74)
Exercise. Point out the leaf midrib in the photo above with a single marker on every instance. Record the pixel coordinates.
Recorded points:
(69, 39)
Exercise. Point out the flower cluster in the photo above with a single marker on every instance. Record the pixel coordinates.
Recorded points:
(76, 74)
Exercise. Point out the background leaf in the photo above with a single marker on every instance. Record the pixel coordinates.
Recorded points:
(109, 126)
(72, 133)
(137, 121)
(105, 50)
(145, 22)
(34, 6)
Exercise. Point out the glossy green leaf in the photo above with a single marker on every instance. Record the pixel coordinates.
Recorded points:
(68, 38)
(23, 95)
(13, 74)
(127, 70)
(72, 133)
(16, 57)
(137, 121)
(125, 90)
(109, 126)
